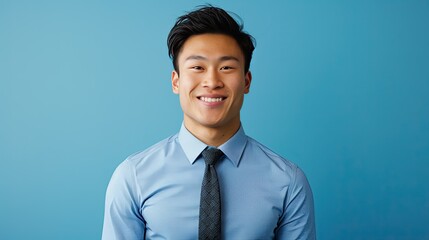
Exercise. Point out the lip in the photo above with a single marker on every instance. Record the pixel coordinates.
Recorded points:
(212, 100)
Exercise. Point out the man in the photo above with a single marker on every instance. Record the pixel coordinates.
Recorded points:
(210, 169)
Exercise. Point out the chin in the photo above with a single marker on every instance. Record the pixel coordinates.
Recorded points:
(212, 124)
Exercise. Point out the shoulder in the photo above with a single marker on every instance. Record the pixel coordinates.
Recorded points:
(261, 150)
(155, 150)
(130, 169)
(286, 173)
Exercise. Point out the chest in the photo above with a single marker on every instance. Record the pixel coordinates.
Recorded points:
(251, 204)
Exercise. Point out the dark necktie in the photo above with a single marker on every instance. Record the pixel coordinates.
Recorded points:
(210, 211)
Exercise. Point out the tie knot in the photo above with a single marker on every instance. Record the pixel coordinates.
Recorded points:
(211, 155)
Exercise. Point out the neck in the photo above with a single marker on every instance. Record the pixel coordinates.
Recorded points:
(213, 136)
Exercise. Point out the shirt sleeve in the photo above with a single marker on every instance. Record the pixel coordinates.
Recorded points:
(122, 217)
(298, 221)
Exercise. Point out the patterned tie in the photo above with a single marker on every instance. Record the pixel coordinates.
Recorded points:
(210, 211)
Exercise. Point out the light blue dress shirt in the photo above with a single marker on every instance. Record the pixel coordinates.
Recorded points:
(155, 194)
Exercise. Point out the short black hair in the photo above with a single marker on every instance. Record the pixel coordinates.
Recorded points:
(209, 19)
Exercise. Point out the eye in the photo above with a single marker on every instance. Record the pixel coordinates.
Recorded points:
(197, 68)
(226, 68)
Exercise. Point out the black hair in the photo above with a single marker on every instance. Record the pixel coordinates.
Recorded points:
(209, 19)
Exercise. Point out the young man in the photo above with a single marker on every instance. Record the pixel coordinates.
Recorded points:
(209, 181)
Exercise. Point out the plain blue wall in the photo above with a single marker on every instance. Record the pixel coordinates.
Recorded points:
(340, 88)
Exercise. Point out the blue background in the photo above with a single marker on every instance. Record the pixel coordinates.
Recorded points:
(340, 88)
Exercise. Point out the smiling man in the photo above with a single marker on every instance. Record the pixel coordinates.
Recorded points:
(211, 82)
(210, 180)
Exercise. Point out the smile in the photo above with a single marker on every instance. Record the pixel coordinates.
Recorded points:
(208, 99)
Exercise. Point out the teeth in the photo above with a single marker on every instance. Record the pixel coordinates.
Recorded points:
(207, 99)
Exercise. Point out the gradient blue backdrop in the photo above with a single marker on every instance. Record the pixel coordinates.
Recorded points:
(340, 88)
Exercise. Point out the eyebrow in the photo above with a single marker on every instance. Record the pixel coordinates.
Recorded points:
(223, 58)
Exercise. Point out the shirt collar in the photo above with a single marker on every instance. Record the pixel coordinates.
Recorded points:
(233, 148)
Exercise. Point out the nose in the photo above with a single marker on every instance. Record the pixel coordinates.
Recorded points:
(212, 79)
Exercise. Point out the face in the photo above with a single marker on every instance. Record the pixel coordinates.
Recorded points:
(211, 82)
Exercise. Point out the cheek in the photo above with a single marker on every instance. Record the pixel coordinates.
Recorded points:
(186, 82)
(238, 87)
(186, 90)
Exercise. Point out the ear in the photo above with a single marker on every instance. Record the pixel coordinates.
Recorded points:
(175, 82)
(247, 81)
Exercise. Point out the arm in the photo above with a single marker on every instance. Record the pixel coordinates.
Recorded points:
(122, 218)
(297, 221)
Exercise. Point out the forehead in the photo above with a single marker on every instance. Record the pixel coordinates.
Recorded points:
(211, 46)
